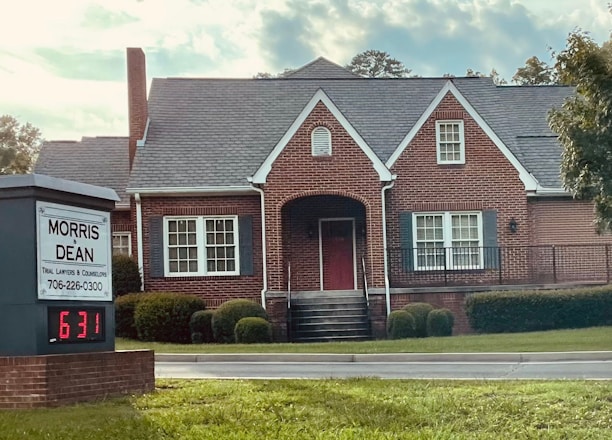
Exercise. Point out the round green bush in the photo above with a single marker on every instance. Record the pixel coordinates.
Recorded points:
(229, 313)
(164, 316)
(253, 330)
(126, 276)
(420, 311)
(201, 323)
(400, 325)
(125, 307)
(439, 323)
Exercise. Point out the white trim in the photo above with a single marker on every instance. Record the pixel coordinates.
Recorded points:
(264, 262)
(385, 250)
(337, 219)
(262, 172)
(200, 230)
(195, 190)
(550, 192)
(459, 123)
(327, 144)
(447, 239)
(139, 239)
(530, 182)
(121, 234)
(141, 142)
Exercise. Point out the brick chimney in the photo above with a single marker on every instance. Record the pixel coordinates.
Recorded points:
(137, 97)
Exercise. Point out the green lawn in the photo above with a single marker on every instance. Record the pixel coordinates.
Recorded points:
(590, 339)
(331, 409)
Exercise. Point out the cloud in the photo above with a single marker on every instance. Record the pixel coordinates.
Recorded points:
(98, 17)
(75, 64)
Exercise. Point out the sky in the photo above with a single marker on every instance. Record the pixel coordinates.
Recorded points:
(62, 63)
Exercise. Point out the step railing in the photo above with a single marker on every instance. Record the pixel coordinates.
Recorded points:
(289, 317)
(366, 294)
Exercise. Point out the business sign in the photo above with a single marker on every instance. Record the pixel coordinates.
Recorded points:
(74, 253)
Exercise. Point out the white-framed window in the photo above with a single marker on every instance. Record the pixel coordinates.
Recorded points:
(321, 142)
(450, 142)
(201, 246)
(122, 243)
(448, 240)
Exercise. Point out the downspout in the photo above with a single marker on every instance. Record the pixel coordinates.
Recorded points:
(139, 239)
(385, 252)
(264, 288)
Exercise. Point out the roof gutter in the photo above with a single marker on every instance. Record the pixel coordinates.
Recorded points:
(139, 239)
(384, 233)
(194, 191)
(264, 288)
(549, 192)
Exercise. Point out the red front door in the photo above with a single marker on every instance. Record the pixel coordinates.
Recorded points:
(337, 255)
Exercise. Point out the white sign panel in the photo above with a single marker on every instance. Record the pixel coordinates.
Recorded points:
(74, 253)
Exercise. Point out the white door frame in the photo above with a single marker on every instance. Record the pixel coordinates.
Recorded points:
(337, 219)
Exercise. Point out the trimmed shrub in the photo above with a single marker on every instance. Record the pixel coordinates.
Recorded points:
(126, 276)
(440, 322)
(534, 310)
(400, 325)
(125, 307)
(229, 313)
(164, 316)
(201, 324)
(253, 330)
(419, 311)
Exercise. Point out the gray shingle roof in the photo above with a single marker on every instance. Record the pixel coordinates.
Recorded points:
(321, 68)
(101, 161)
(217, 132)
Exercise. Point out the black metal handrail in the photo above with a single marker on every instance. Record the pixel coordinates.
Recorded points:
(499, 265)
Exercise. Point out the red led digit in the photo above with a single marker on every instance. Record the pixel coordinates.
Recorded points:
(83, 325)
(97, 323)
(64, 327)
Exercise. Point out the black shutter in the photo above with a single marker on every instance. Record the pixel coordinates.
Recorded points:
(489, 233)
(156, 247)
(245, 239)
(406, 242)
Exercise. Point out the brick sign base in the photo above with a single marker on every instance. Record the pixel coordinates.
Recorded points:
(61, 379)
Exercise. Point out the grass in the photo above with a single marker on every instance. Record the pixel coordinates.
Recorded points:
(590, 339)
(331, 409)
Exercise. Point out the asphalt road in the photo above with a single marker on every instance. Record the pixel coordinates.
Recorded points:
(478, 367)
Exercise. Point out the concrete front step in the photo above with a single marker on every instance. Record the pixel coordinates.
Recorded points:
(329, 316)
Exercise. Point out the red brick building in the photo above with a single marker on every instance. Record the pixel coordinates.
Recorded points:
(321, 185)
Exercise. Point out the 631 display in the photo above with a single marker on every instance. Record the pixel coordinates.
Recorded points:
(75, 324)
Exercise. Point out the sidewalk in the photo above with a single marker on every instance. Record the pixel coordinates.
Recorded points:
(389, 357)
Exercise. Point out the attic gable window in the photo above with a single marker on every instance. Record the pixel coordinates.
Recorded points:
(450, 142)
(321, 142)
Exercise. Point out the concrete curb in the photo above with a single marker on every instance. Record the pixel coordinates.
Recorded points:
(389, 357)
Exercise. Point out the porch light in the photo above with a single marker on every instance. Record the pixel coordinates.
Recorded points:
(513, 226)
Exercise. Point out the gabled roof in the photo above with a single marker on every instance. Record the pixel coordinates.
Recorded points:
(217, 132)
(321, 68)
(101, 161)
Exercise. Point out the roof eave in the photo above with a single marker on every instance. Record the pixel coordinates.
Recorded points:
(193, 191)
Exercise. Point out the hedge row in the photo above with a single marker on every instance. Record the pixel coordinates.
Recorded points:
(419, 320)
(525, 311)
(181, 318)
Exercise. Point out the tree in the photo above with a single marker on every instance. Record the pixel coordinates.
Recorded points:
(535, 73)
(498, 80)
(377, 64)
(584, 124)
(19, 146)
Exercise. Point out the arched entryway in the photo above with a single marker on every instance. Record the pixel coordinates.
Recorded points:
(324, 243)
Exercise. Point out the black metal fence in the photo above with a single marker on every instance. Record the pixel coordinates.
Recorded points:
(437, 266)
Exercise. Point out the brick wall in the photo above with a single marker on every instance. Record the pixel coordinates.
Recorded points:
(53, 380)
(563, 221)
(487, 181)
(297, 174)
(213, 289)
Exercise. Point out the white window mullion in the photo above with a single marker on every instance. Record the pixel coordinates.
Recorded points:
(201, 240)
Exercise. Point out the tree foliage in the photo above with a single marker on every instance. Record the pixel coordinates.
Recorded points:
(535, 73)
(377, 64)
(584, 123)
(19, 146)
(497, 79)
